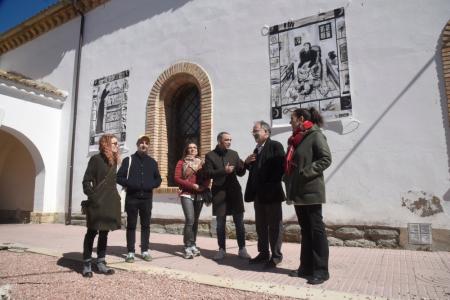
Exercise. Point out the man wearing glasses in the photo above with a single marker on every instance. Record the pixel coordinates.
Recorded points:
(264, 189)
(139, 179)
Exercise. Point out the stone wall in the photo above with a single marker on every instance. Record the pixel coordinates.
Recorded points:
(351, 236)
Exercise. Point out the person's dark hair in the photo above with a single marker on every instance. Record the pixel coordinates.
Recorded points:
(186, 149)
(310, 114)
(307, 43)
(220, 135)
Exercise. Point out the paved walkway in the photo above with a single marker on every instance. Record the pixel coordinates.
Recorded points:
(356, 273)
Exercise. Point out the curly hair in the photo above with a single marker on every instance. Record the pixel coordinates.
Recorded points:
(104, 145)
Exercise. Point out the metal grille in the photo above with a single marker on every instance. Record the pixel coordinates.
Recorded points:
(188, 116)
(184, 125)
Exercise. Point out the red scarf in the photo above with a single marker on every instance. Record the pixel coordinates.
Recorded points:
(297, 136)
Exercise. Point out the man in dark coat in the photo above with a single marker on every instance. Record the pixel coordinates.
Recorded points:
(139, 179)
(264, 189)
(222, 165)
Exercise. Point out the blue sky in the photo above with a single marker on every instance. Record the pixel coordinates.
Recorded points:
(14, 12)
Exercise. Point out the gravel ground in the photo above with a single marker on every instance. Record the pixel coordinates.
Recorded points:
(34, 276)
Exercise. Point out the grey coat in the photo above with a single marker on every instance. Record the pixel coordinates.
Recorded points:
(306, 185)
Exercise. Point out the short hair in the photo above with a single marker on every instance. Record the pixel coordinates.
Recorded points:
(142, 138)
(264, 125)
(220, 135)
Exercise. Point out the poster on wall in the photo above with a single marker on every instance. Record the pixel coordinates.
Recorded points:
(109, 108)
(309, 67)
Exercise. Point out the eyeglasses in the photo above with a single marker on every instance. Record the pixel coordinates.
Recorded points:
(256, 131)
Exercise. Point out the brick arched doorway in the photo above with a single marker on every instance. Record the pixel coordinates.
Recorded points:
(446, 63)
(158, 115)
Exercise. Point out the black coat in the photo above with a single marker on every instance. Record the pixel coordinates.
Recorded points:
(226, 190)
(99, 184)
(143, 178)
(264, 180)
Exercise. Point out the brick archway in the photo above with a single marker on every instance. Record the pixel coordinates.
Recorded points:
(157, 119)
(446, 63)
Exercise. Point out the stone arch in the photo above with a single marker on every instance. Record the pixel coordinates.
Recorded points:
(20, 141)
(161, 94)
(446, 63)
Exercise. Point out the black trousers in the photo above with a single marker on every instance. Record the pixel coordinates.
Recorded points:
(314, 250)
(133, 207)
(88, 243)
(269, 227)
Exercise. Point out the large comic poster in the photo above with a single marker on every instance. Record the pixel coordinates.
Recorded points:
(109, 108)
(309, 67)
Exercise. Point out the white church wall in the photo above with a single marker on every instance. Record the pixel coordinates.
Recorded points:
(395, 78)
(50, 58)
(41, 127)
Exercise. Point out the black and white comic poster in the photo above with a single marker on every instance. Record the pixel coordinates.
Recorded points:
(109, 108)
(309, 67)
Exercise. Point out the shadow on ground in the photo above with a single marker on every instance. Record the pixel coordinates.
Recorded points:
(231, 259)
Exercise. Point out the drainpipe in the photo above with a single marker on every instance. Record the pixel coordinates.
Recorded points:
(74, 109)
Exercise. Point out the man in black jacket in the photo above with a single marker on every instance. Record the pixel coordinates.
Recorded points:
(223, 165)
(139, 179)
(265, 190)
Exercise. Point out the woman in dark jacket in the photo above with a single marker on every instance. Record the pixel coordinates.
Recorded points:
(191, 181)
(103, 205)
(305, 188)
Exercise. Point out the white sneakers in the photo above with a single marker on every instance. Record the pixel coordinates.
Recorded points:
(188, 253)
(242, 254)
(195, 251)
(220, 254)
(191, 252)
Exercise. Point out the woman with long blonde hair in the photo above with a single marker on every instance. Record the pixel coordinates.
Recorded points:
(103, 204)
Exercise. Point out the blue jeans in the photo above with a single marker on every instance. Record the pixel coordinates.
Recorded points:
(238, 220)
(191, 210)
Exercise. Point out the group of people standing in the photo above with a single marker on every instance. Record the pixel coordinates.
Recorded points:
(300, 168)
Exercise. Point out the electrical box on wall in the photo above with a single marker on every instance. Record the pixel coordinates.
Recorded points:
(419, 234)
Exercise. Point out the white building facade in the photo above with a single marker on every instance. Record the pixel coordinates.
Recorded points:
(391, 158)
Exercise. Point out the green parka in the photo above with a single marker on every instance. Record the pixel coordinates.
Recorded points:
(306, 185)
(99, 184)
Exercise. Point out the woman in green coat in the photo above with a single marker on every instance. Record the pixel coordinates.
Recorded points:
(305, 188)
(103, 204)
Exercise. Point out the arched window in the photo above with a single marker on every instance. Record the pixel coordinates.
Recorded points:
(179, 110)
(185, 124)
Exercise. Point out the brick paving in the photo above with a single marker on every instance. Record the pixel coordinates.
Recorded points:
(355, 272)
